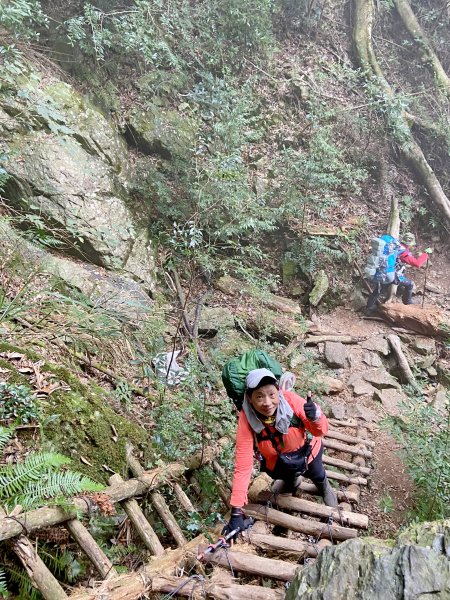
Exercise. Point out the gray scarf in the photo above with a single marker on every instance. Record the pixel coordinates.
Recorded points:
(282, 418)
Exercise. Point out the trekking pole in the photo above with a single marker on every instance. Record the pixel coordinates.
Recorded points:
(425, 280)
(222, 542)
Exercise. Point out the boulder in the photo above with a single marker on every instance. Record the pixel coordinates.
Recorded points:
(321, 285)
(426, 361)
(233, 287)
(416, 566)
(335, 355)
(378, 344)
(358, 411)
(68, 170)
(331, 384)
(372, 359)
(338, 411)
(381, 379)
(441, 400)
(362, 388)
(391, 399)
(213, 319)
(424, 345)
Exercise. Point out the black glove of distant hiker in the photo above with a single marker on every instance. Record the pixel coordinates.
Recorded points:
(237, 521)
(310, 408)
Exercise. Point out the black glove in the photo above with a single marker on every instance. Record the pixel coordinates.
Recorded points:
(237, 521)
(310, 408)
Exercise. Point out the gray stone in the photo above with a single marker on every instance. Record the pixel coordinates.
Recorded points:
(331, 384)
(335, 355)
(362, 388)
(441, 400)
(372, 359)
(377, 343)
(390, 400)
(69, 168)
(424, 345)
(426, 361)
(357, 299)
(371, 569)
(321, 285)
(296, 359)
(338, 411)
(212, 319)
(381, 379)
(432, 372)
(362, 412)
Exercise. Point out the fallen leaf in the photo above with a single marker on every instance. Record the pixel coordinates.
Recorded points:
(12, 355)
(49, 388)
(85, 461)
(108, 469)
(115, 437)
(25, 370)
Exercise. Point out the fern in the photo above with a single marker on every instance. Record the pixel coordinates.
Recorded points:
(5, 435)
(56, 485)
(14, 478)
(3, 588)
(26, 589)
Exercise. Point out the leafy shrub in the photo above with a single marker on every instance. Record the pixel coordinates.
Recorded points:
(425, 437)
(17, 403)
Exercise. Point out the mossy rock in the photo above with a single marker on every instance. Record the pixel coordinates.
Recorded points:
(84, 426)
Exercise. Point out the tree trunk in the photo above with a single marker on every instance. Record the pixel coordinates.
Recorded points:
(428, 54)
(427, 321)
(362, 36)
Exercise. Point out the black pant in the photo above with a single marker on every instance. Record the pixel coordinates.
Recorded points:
(316, 470)
(406, 289)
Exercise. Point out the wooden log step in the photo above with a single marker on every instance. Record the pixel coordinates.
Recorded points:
(281, 545)
(322, 530)
(343, 423)
(251, 563)
(90, 547)
(343, 495)
(148, 481)
(343, 464)
(346, 478)
(139, 522)
(183, 499)
(289, 502)
(351, 439)
(167, 518)
(216, 591)
(327, 443)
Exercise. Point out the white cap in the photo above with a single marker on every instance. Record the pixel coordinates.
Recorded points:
(254, 378)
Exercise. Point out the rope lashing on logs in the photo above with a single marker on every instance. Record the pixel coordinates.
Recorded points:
(197, 578)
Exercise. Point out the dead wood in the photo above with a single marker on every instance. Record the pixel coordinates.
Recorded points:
(333, 445)
(167, 518)
(402, 362)
(309, 527)
(295, 549)
(343, 464)
(313, 340)
(429, 321)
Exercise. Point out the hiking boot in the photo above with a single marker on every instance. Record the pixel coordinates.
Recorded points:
(412, 301)
(327, 492)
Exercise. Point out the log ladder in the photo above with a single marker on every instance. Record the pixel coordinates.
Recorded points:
(229, 573)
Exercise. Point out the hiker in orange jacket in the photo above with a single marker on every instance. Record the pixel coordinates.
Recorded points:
(274, 423)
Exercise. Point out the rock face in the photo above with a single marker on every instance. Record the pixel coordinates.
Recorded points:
(321, 285)
(416, 568)
(68, 167)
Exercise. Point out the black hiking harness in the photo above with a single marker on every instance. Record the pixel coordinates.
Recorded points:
(289, 464)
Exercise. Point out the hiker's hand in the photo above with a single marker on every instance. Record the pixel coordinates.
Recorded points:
(429, 250)
(310, 408)
(237, 521)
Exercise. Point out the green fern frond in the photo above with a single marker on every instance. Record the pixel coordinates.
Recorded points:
(5, 435)
(14, 478)
(55, 485)
(26, 589)
(3, 587)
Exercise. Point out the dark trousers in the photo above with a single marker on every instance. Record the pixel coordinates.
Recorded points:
(316, 470)
(405, 289)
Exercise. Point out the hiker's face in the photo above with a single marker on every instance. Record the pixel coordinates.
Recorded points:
(265, 399)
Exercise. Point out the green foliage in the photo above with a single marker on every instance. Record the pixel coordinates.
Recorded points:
(21, 17)
(424, 435)
(25, 588)
(39, 480)
(3, 588)
(6, 434)
(17, 403)
(387, 503)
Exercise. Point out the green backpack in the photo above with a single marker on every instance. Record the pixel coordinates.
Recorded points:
(236, 370)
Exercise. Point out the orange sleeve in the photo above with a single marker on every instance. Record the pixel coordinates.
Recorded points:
(317, 428)
(244, 462)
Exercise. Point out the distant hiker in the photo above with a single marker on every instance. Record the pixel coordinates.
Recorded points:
(274, 425)
(384, 267)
